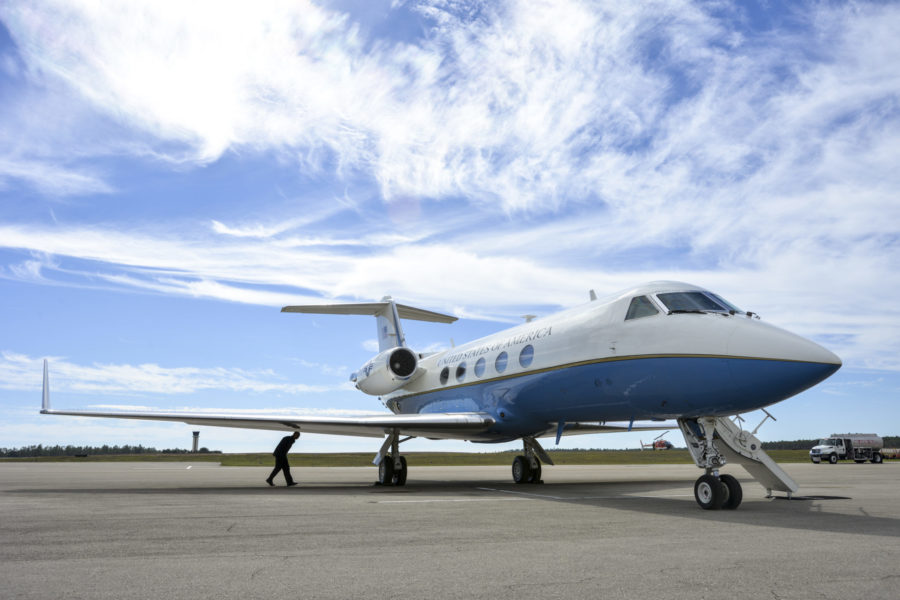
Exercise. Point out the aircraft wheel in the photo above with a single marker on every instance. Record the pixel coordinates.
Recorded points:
(386, 471)
(521, 470)
(833, 459)
(709, 492)
(876, 458)
(535, 473)
(733, 492)
(400, 476)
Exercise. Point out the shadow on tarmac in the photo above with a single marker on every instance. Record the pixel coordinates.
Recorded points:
(802, 513)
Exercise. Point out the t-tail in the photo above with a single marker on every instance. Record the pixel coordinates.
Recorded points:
(395, 365)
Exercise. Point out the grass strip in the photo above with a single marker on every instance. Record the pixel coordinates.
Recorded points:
(421, 459)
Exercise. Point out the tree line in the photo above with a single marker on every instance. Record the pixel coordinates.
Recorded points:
(890, 441)
(70, 450)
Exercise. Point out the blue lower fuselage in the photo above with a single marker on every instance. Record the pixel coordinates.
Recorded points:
(621, 389)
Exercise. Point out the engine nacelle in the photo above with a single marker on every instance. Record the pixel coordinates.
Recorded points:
(387, 372)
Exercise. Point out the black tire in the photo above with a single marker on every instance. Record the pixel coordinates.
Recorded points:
(400, 477)
(833, 459)
(521, 470)
(709, 492)
(734, 494)
(877, 458)
(386, 471)
(535, 476)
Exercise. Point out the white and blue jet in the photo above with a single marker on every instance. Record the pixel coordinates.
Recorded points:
(663, 355)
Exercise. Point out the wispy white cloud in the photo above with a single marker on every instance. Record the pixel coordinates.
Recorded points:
(20, 372)
(790, 282)
(51, 179)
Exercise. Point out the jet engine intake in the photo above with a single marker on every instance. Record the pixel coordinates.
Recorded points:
(387, 372)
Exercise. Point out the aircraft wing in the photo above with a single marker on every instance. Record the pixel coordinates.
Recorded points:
(460, 426)
(445, 425)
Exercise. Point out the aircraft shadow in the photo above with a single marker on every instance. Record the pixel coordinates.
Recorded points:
(800, 513)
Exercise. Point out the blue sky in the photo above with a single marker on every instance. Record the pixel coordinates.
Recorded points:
(172, 173)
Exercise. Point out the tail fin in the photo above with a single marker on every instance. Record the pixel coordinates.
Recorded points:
(387, 315)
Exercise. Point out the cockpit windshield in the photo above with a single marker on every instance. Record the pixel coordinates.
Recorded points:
(696, 302)
(722, 300)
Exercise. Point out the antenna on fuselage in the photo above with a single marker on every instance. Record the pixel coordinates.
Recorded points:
(593, 295)
(529, 318)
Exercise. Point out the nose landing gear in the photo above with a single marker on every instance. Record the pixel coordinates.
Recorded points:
(713, 493)
(732, 444)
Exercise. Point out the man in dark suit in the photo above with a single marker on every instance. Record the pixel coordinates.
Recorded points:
(281, 461)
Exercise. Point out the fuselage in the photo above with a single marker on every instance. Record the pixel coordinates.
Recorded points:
(660, 351)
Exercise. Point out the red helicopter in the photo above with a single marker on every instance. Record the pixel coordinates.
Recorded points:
(658, 443)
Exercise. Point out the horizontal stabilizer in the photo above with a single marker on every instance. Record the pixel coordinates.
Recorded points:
(371, 308)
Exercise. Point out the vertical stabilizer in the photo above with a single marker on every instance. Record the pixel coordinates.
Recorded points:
(390, 333)
(45, 403)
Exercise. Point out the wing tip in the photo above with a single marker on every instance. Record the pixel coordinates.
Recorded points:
(45, 392)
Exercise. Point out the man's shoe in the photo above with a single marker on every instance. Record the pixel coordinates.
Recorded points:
(292, 483)
(270, 482)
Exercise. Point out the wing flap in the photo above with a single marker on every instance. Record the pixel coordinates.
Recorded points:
(582, 428)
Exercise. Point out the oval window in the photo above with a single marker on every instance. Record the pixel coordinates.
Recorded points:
(500, 363)
(445, 375)
(479, 367)
(526, 355)
(461, 372)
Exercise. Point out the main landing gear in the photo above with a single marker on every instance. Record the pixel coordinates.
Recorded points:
(526, 468)
(391, 467)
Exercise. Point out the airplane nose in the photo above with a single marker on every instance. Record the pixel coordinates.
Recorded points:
(783, 363)
(801, 349)
(754, 339)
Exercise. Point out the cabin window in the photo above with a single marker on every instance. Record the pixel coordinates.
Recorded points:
(479, 367)
(526, 356)
(641, 306)
(445, 375)
(461, 372)
(501, 362)
(690, 302)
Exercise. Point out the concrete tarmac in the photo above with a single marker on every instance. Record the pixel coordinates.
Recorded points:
(197, 530)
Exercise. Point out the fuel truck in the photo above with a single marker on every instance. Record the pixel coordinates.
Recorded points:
(859, 447)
